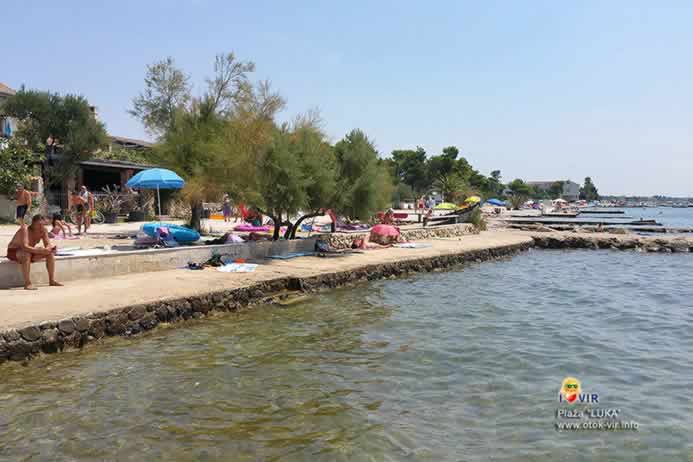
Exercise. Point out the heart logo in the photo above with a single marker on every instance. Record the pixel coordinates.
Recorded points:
(571, 397)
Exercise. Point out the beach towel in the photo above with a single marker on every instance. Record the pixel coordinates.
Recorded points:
(60, 237)
(238, 268)
(292, 255)
(412, 245)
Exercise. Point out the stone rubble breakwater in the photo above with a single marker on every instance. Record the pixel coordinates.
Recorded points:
(343, 240)
(75, 332)
(614, 242)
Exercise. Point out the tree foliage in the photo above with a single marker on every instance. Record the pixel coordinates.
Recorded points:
(141, 157)
(556, 190)
(589, 191)
(228, 140)
(166, 90)
(424, 174)
(410, 168)
(66, 120)
(17, 162)
(452, 187)
(194, 132)
(520, 191)
(364, 183)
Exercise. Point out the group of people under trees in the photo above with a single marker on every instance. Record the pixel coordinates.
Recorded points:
(24, 246)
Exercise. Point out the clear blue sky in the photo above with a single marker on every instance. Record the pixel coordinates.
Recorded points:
(540, 90)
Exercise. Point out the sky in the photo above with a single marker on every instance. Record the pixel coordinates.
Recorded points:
(541, 90)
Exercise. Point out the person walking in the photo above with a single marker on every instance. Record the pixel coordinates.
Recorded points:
(77, 204)
(431, 203)
(226, 208)
(88, 199)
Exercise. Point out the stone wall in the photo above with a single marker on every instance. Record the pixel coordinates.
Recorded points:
(51, 337)
(71, 268)
(8, 209)
(615, 242)
(344, 240)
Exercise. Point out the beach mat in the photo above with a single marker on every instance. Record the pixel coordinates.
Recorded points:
(238, 268)
(289, 256)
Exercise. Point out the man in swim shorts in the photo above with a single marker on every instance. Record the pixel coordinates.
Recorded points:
(22, 249)
(23, 200)
(77, 204)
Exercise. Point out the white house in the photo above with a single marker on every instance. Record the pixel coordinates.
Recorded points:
(7, 124)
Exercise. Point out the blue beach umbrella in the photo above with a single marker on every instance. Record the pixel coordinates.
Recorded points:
(156, 178)
(496, 202)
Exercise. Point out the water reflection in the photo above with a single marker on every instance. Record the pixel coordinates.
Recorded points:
(462, 365)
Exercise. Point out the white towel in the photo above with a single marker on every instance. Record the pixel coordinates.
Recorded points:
(238, 268)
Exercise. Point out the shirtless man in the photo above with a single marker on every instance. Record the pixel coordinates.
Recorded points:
(78, 205)
(88, 199)
(23, 200)
(22, 249)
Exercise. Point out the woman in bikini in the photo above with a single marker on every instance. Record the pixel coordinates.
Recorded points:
(58, 226)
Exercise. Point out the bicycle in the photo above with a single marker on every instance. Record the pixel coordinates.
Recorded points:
(96, 217)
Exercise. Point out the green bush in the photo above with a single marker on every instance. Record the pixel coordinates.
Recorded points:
(477, 219)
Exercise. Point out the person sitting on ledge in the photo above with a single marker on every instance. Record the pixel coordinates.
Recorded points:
(22, 249)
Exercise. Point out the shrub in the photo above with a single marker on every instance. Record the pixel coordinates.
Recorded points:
(477, 219)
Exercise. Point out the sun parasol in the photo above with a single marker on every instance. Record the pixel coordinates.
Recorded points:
(156, 178)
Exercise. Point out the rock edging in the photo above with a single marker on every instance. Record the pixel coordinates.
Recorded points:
(616, 242)
(344, 240)
(56, 336)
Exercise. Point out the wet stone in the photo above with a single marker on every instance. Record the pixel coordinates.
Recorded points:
(51, 341)
(133, 329)
(66, 326)
(20, 349)
(12, 335)
(48, 325)
(82, 324)
(162, 313)
(137, 312)
(97, 329)
(115, 324)
(149, 322)
(30, 334)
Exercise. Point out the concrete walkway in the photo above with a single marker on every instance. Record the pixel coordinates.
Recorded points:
(19, 307)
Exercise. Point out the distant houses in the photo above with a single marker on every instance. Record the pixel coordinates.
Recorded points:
(7, 124)
(571, 190)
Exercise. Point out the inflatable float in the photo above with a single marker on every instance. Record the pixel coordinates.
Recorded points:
(249, 228)
(179, 233)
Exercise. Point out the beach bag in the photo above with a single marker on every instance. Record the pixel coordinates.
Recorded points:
(322, 246)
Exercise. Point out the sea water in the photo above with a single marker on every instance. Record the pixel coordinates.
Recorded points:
(462, 365)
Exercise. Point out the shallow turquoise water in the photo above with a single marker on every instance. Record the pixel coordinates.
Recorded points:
(457, 365)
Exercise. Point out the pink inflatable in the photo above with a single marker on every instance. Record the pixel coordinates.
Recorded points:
(248, 227)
